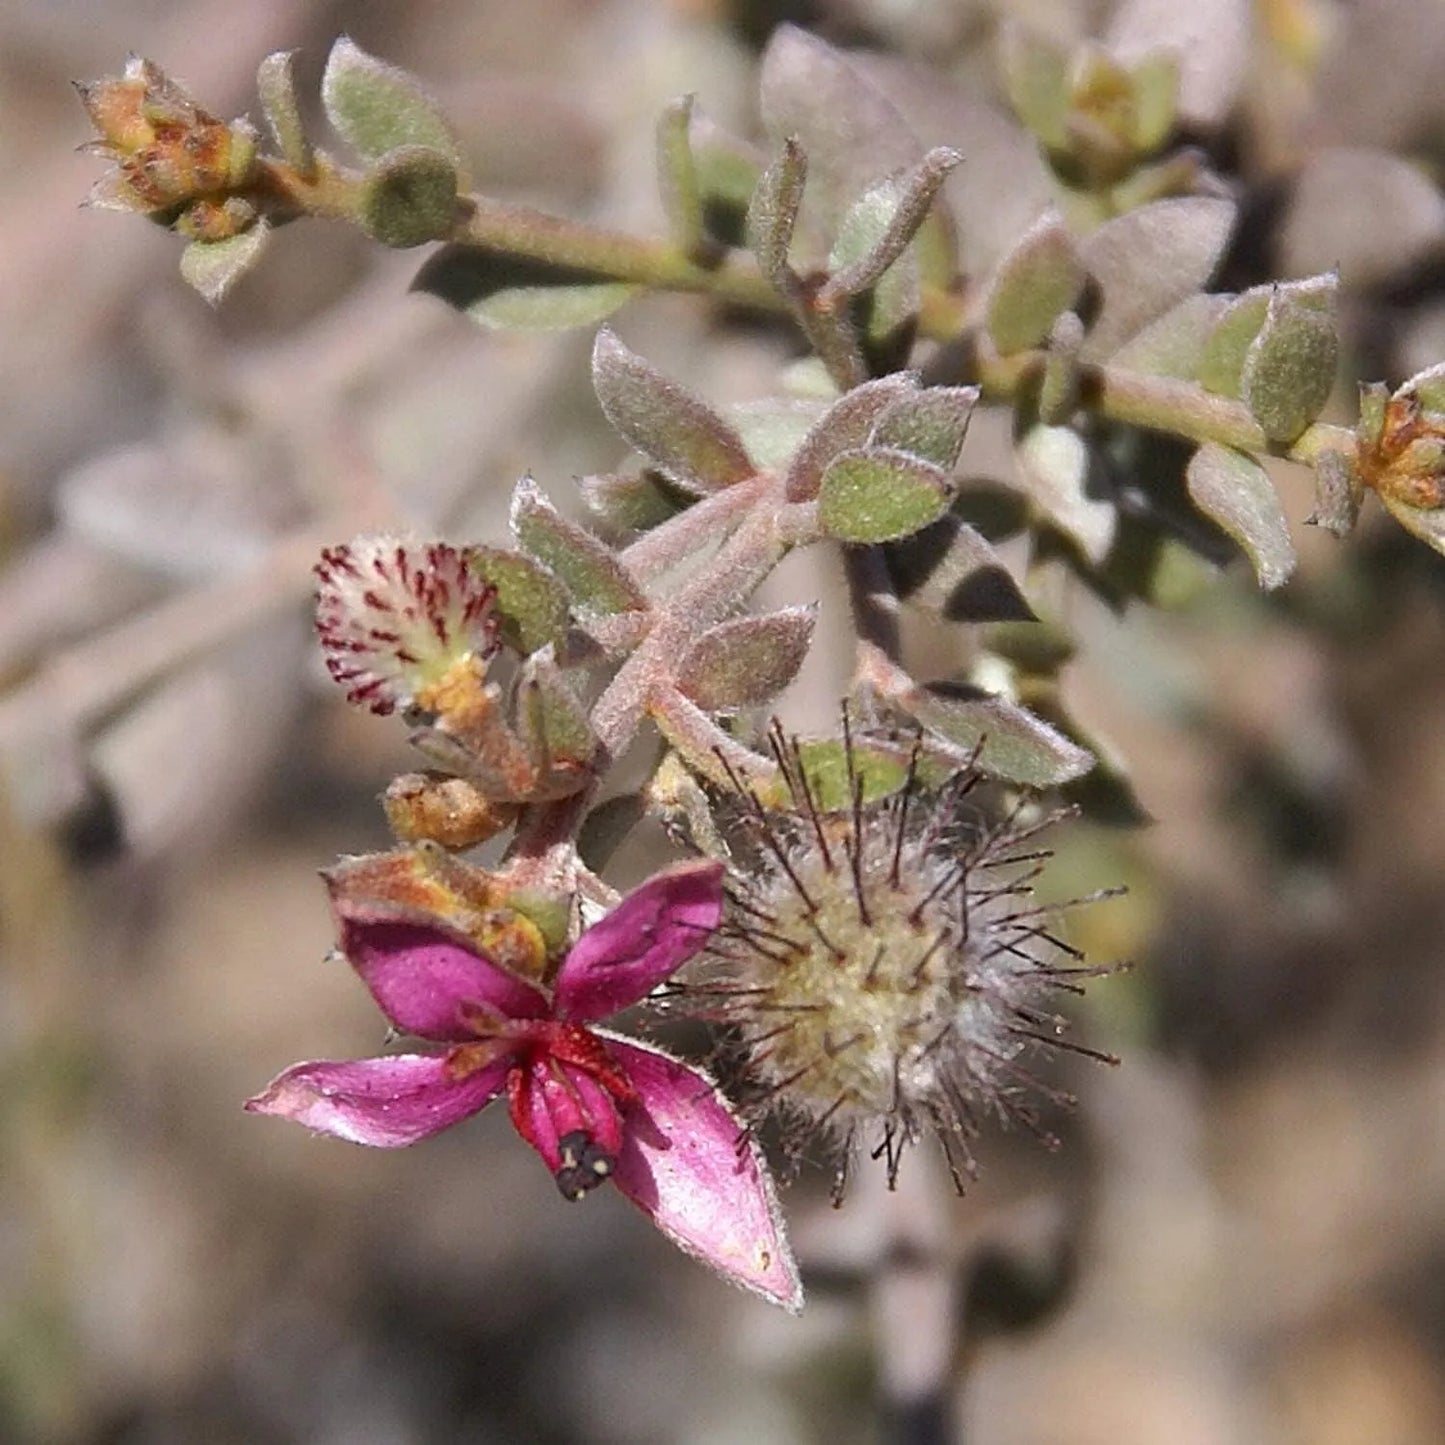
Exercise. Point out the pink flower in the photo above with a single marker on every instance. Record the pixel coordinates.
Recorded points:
(593, 1105)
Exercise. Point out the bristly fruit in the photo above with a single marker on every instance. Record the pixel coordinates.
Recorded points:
(886, 969)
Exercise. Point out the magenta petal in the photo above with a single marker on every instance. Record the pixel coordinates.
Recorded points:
(386, 1102)
(428, 982)
(686, 1164)
(645, 939)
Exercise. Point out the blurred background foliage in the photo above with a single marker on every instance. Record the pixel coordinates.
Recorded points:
(1241, 1242)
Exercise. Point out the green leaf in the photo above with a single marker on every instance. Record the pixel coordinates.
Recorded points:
(1035, 283)
(727, 172)
(746, 661)
(930, 424)
(773, 212)
(1149, 260)
(409, 197)
(1016, 745)
(632, 501)
(876, 495)
(554, 723)
(377, 107)
(277, 88)
(588, 569)
(213, 267)
(833, 770)
(508, 293)
(687, 441)
(1428, 526)
(1233, 490)
(953, 571)
(1429, 387)
(1053, 463)
(773, 429)
(846, 424)
(1155, 86)
(677, 176)
(1222, 363)
(1338, 493)
(531, 604)
(1289, 370)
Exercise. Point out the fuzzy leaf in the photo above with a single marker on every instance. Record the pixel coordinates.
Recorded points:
(554, 724)
(1234, 490)
(1016, 745)
(930, 424)
(509, 293)
(1429, 387)
(879, 226)
(1149, 260)
(1222, 363)
(531, 604)
(688, 441)
(277, 88)
(846, 424)
(1053, 463)
(377, 107)
(590, 571)
(1034, 284)
(746, 661)
(213, 267)
(631, 501)
(1036, 77)
(1338, 492)
(1176, 344)
(1290, 367)
(773, 212)
(952, 570)
(1428, 526)
(727, 171)
(877, 495)
(409, 197)
(833, 771)
(677, 175)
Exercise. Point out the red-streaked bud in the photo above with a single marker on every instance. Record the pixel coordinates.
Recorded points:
(403, 624)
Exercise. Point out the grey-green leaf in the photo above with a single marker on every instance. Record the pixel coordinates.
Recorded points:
(277, 88)
(846, 424)
(377, 107)
(631, 501)
(1034, 284)
(409, 197)
(877, 495)
(773, 212)
(1290, 367)
(1036, 77)
(591, 572)
(531, 604)
(1175, 345)
(930, 424)
(746, 661)
(1235, 491)
(1149, 260)
(213, 267)
(509, 293)
(687, 441)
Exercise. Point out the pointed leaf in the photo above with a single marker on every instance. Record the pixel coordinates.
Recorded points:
(846, 424)
(531, 605)
(694, 1171)
(1036, 77)
(952, 570)
(1016, 744)
(746, 661)
(277, 88)
(509, 293)
(632, 501)
(833, 770)
(588, 569)
(213, 267)
(688, 441)
(1035, 283)
(773, 212)
(930, 424)
(554, 724)
(677, 176)
(377, 107)
(876, 495)
(1149, 260)
(1234, 490)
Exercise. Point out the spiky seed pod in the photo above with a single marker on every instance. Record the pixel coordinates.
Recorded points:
(887, 971)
